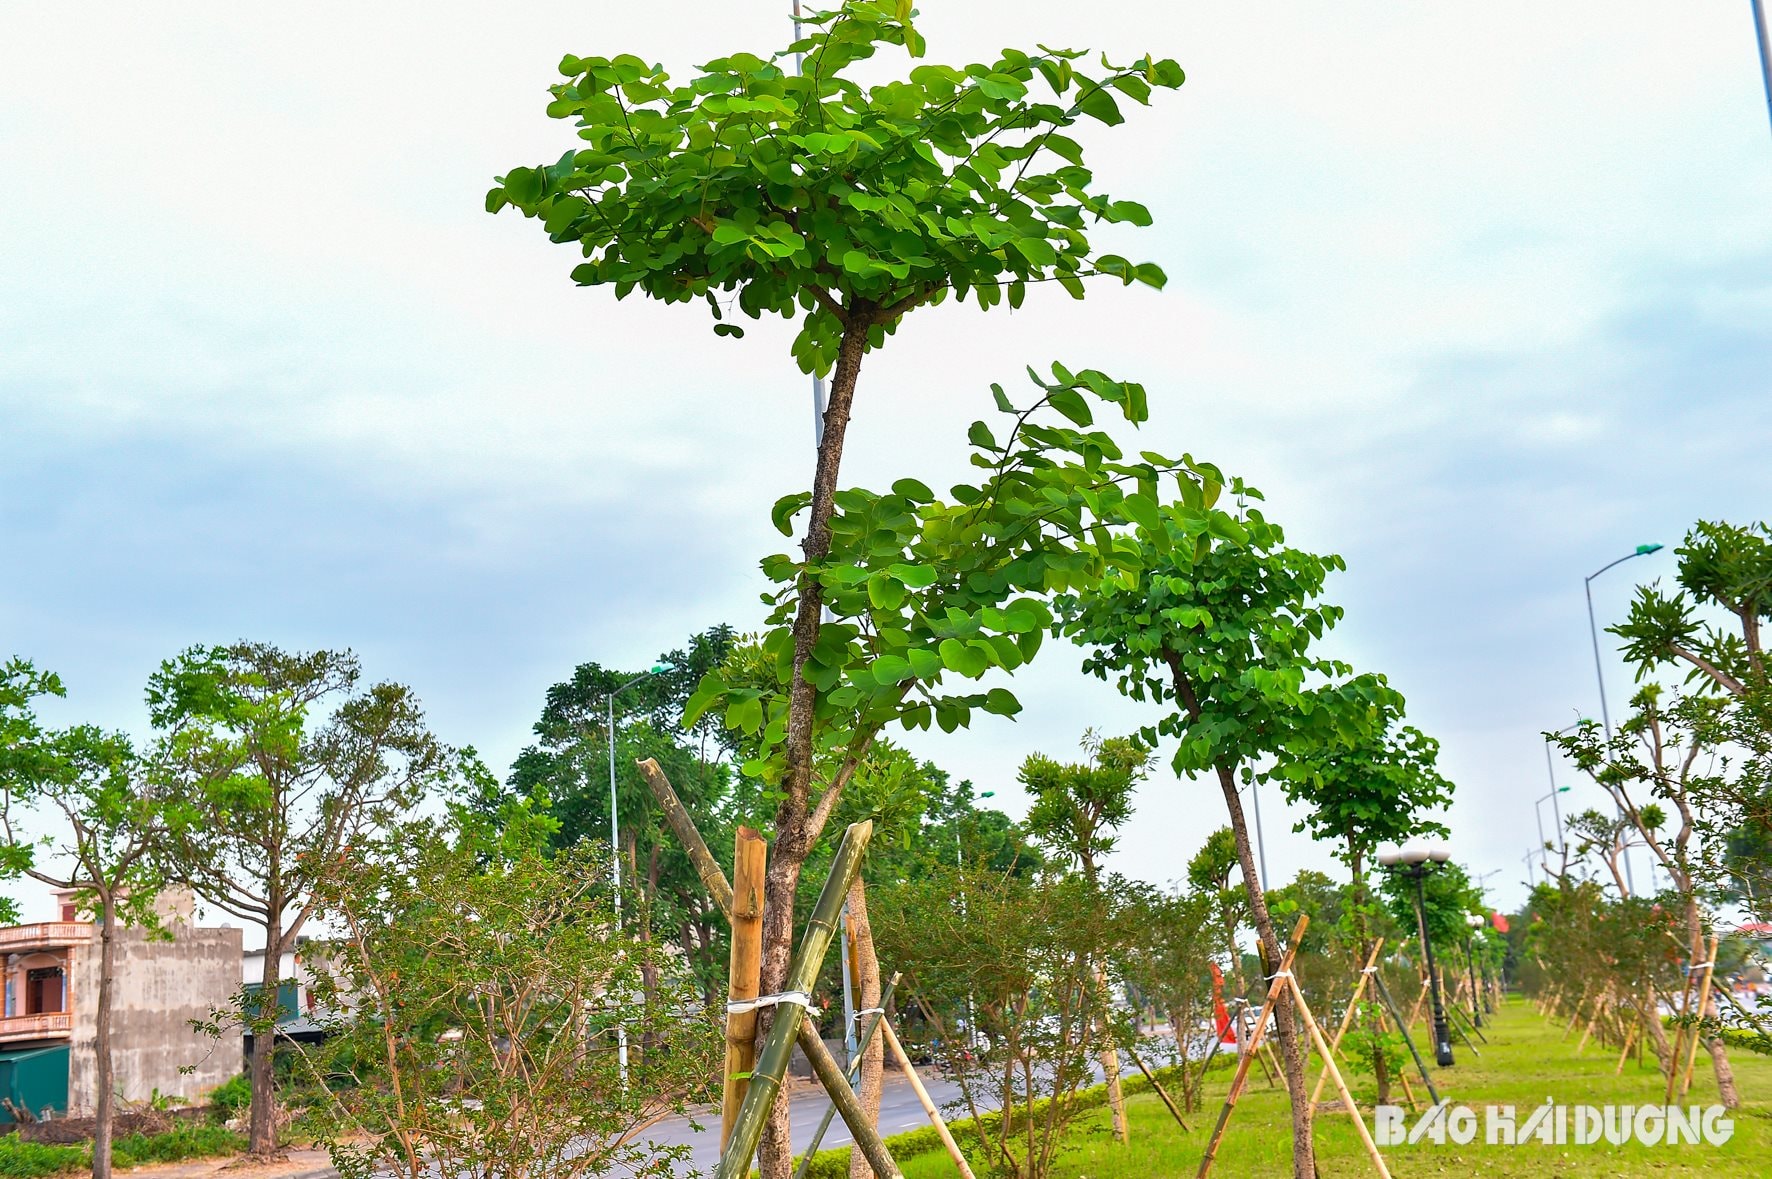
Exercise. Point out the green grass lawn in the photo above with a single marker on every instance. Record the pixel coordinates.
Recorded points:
(1525, 1061)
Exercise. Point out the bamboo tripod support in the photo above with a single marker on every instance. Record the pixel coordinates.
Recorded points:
(764, 1085)
(1682, 1032)
(1347, 1019)
(1282, 982)
(941, 1127)
(1241, 1076)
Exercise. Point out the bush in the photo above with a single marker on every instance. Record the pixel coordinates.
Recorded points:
(187, 1140)
(27, 1160)
(231, 1099)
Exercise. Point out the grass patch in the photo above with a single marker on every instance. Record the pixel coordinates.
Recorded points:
(1526, 1060)
(28, 1160)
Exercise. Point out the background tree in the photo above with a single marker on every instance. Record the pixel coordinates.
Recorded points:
(77, 814)
(471, 969)
(804, 193)
(23, 755)
(1213, 617)
(1074, 810)
(278, 765)
(1210, 872)
(1176, 935)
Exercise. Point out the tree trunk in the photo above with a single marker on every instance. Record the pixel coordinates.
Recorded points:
(261, 1133)
(1304, 1165)
(106, 1097)
(793, 836)
(867, 984)
(1110, 1067)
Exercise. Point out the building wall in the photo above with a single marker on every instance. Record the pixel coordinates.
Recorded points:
(160, 987)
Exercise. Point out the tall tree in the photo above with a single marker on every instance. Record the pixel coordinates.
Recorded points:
(806, 193)
(1075, 809)
(76, 814)
(279, 764)
(1214, 618)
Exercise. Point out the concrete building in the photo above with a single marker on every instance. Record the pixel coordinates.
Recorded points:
(50, 1023)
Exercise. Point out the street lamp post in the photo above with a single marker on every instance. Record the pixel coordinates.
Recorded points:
(1475, 923)
(1414, 860)
(1531, 876)
(621, 1029)
(1557, 814)
(1593, 628)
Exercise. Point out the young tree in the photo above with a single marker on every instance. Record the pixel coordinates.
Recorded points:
(1209, 872)
(1075, 807)
(1378, 790)
(805, 193)
(472, 967)
(279, 764)
(1214, 617)
(1673, 752)
(98, 823)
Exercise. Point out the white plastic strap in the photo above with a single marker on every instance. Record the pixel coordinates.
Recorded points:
(1369, 970)
(870, 1011)
(1280, 974)
(796, 998)
(1696, 966)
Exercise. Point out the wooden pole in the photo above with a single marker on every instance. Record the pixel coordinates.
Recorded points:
(1710, 966)
(684, 828)
(1347, 1018)
(941, 1127)
(778, 1044)
(1679, 1052)
(1384, 996)
(1158, 1086)
(1241, 1076)
(750, 864)
(1347, 1099)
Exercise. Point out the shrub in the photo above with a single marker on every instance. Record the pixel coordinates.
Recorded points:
(229, 1100)
(28, 1159)
(188, 1140)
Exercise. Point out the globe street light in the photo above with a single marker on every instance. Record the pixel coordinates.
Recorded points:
(1475, 923)
(1593, 628)
(1414, 860)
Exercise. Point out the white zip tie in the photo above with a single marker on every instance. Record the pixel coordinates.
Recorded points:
(870, 1011)
(1279, 974)
(796, 998)
(1698, 966)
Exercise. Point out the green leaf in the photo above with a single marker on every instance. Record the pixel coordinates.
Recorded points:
(1002, 702)
(963, 659)
(1070, 403)
(914, 576)
(925, 664)
(782, 514)
(980, 436)
(1142, 510)
(729, 329)
(914, 490)
(891, 669)
(885, 593)
(1098, 104)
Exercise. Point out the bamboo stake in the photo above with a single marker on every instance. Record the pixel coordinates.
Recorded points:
(1630, 1036)
(1384, 995)
(1347, 1099)
(684, 828)
(1415, 1011)
(941, 1127)
(1703, 1002)
(868, 1030)
(1679, 1051)
(750, 863)
(1158, 1086)
(778, 1044)
(1408, 1093)
(1347, 1018)
(1241, 1076)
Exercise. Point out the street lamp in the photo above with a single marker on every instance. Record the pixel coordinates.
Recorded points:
(1414, 860)
(1593, 629)
(1475, 923)
(1556, 813)
(621, 1029)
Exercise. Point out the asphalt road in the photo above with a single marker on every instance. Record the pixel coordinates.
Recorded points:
(899, 1111)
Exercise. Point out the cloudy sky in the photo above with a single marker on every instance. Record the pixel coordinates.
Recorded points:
(1480, 295)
